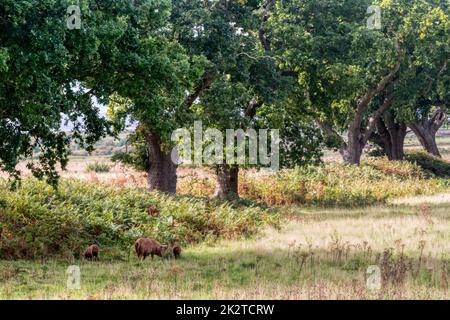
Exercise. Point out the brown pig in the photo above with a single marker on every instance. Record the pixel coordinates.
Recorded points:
(149, 247)
(92, 252)
(176, 250)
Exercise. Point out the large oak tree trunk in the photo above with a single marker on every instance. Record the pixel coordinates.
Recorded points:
(390, 137)
(352, 154)
(427, 138)
(162, 173)
(227, 181)
(397, 145)
(352, 151)
(358, 136)
(427, 129)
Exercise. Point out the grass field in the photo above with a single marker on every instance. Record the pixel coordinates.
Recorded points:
(318, 254)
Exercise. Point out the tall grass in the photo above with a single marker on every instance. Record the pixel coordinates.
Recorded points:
(323, 255)
(376, 181)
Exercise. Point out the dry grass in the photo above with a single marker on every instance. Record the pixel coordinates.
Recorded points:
(376, 181)
(319, 254)
(120, 175)
(421, 200)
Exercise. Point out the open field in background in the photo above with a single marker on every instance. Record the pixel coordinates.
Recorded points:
(411, 144)
(80, 160)
(375, 181)
(318, 254)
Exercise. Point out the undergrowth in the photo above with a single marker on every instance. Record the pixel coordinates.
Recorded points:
(36, 220)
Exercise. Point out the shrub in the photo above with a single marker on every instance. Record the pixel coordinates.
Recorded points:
(196, 185)
(375, 181)
(98, 167)
(36, 220)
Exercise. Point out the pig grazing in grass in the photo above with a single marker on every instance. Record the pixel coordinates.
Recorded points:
(149, 247)
(92, 252)
(176, 250)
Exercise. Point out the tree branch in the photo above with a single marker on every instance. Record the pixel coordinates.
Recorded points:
(364, 101)
(252, 107)
(204, 84)
(328, 129)
(387, 103)
(262, 34)
(437, 120)
(430, 84)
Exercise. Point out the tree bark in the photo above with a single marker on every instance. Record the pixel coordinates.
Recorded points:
(162, 173)
(352, 151)
(397, 135)
(227, 181)
(427, 138)
(427, 129)
(358, 136)
(390, 137)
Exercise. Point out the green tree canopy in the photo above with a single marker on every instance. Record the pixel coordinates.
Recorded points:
(348, 74)
(38, 87)
(49, 72)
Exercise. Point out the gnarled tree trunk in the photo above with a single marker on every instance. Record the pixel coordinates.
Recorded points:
(427, 138)
(390, 137)
(227, 181)
(162, 173)
(358, 135)
(352, 151)
(427, 129)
